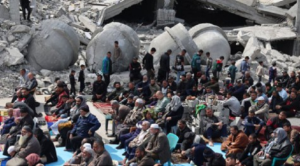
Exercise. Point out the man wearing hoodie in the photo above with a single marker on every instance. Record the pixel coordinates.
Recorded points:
(196, 64)
(245, 65)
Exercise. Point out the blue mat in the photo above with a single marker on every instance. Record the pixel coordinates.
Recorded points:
(64, 156)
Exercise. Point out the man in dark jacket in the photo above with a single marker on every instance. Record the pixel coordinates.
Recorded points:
(29, 100)
(253, 147)
(141, 158)
(31, 84)
(99, 89)
(148, 63)
(212, 158)
(283, 79)
(85, 127)
(290, 105)
(72, 82)
(238, 90)
(25, 4)
(8, 123)
(252, 124)
(116, 93)
(278, 147)
(164, 66)
(275, 122)
(81, 79)
(182, 129)
(48, 152)
(135, 70)
(25, 120)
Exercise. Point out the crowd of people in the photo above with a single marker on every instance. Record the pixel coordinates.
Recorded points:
(151, 106)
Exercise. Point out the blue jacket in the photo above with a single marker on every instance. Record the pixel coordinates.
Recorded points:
(251, 121)
(145, 89)
(8, 123)
(244, 66)
(105, 66)
(84, 124)
(196, 62)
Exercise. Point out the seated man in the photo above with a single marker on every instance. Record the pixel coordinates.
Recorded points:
(269, 89)
(279, 147)
(48, 152)
(275, 122)
(99, 89)
(261, 109)
(30, 101)
(233, 105)
(172, 84)
(236, 142)
(247, 103)
(162, 102)
(63, 109)
(182, 88)
(253, 147)
(31, 83)
(102, 157)
(154, 87)
(130, 120)
(193, 94)
(238, 90)
(118, 114)
(190, 139)
(190, 82)
(293, 135)
(141, 158)
(213, 85)
(135, 70)
(140, 140)
(212, 127)
(290, 105)
(116, 93)
(25, 120)
(85, 127)
(26, 145)
(231, 160)
(158, 147)
(252, 123)
(143, 89)
(8, 123)
(212, 158)
(181, 130)
(247, 78)
(282, 93)
(164, 87)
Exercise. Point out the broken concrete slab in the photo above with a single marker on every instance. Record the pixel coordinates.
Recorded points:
(54, 48)
(3, 45)
(4, 13)
(251, 3)
(276, 2)
(243, 37)
(24, 41)
(14, 11)
(20, 29)
(14, 58)
(211, 38)
(272, 10)
(252, 49)
(103, 42)
(292, 12)
(45, 72)
(87, 23)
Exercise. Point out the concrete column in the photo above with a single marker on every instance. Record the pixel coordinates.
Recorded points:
(14, 11)
(296, 51)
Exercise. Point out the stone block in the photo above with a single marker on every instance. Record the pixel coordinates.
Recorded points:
(252, 48)
(14, 58)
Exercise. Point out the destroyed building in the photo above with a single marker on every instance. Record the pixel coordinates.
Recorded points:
(65, 34)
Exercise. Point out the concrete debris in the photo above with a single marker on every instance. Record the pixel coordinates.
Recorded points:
(252, 48)
(58, 44)
(4, 13)
(14, 56)
(292, 12)
(45, 72)
(272, 10)
(276, 2)
(20, 29)
(103, 42)
(87, 23)
(14, 11)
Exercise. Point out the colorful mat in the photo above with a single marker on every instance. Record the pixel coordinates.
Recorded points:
(104, 107)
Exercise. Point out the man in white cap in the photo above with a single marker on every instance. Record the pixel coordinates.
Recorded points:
(158, 147)
(87, 156)
(261, 109)
(131, 119)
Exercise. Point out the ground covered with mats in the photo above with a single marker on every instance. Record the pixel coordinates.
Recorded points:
(64, 156)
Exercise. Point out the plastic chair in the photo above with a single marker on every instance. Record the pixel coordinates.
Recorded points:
(173, 140)
(275, 159)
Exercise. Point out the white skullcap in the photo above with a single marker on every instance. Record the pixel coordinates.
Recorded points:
(140, 101)
(87, 145)
(89, 150)
(260, 98)
(154, 126)
(10, 149)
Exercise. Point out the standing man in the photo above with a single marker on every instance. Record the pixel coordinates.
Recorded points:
(81, 79)
(164, 66)
(117, 56)
(148, 63)
(107, 68)
(23, 77)
(208, 65)
(72, 82)
(31, 84)
(25, 4)
(179, 65)
(196, 64)
(260, 70)
(245, 65)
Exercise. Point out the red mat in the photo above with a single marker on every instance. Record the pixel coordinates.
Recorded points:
(103, 107)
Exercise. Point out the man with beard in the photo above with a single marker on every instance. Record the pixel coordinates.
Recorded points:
(153, 87)
(236, 142)
(261, 109)
(87, 156)
(141, 158)
(48, 153)
(116, 93)
(102, 157)
(26, 145)
(24, 120)
(99, 89)
(143, 89)
(31, 84)
(135, 70)
(30, 101)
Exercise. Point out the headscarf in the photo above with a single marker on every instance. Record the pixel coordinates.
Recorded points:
(75, 110)
(32, 159)
(281, 135)
(174, 104)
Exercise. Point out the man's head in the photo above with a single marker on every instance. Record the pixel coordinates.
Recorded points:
(84, 110)
(188, 76)
(181, 124)
(153, 50)
(251, 114)
(239, 82)
(159, 95)
(246, 95)
(98, 146)
(169, 52)
(9, 105)
(22, 72)
(284, 73)
(145, 125)
(26, 131)
(229, 94)
(268, 86)
(259, 91)
(282, 115)
(246, 58)
(114, 104)
(287, 127)
(203, 77)
(183, 52)
(293, 95)
(87, 153)
(230, 160)
(208, 54)
(200, 52)
(183, 77)
(78, 100)
(24, 92)
(117, 85)
(279, 87)
(213, 80)
(152, 82)
(30, 76)
(145, 79)
(222, 58)
(139, 103)
(234, 130)
(60, 87)
(247, 74)
(154, 129)
(23, 112)
(64, 98)
(208, 154)
(135, 59)
(260, 100)
(108, 55)
(140, 152)
(99, 77)
(252, 138)
(170, 95)
(116, 44)
(148, 116)
(209, 112)
(165, 83)
(73, 72)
